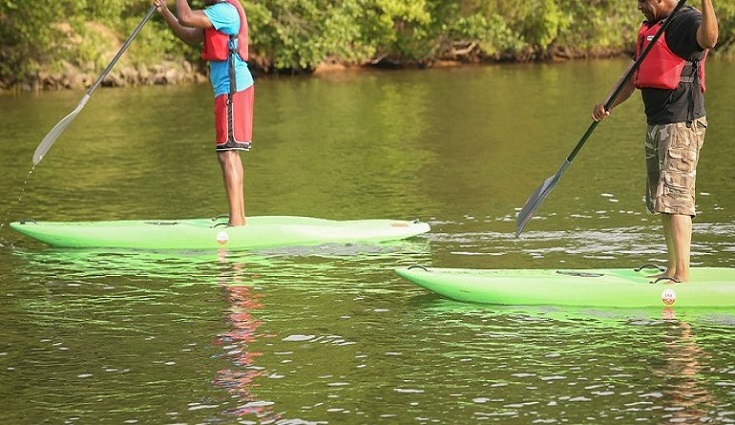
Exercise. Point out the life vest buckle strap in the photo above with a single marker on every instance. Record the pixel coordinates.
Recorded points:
(232, 47)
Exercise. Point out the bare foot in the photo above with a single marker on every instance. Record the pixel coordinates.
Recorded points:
(237, 223)
(667, 279)
(681, 278)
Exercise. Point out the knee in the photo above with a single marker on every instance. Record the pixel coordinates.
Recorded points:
(227, 157)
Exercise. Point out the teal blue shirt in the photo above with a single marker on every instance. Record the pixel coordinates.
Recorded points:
(224, 18)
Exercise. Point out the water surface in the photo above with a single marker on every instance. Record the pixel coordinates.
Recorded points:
(329, 334)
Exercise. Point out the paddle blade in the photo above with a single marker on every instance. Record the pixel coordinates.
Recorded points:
(52, 135)
(537, 197)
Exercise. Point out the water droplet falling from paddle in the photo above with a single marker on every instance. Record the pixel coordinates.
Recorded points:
(21, 193)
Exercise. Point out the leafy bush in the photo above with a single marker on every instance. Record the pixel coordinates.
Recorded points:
(298, 35)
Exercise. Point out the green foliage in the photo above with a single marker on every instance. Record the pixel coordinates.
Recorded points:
(298, 35)
(287, 32)
(604, 24)
(490, 34)
(26, 36)
(726, 17)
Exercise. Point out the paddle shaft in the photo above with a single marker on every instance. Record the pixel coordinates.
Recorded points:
(54, 133)
(534, 201)
(121, 51)
(614, 95)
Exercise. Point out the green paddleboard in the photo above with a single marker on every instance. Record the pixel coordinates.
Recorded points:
(202, 234)
(709, 287)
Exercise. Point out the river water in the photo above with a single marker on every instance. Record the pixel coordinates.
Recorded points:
(330, 334)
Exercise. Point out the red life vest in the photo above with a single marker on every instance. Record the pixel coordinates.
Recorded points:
(216, 45)
(662, 68)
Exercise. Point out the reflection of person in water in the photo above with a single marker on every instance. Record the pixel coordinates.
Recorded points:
(684, 396)
(240, 379)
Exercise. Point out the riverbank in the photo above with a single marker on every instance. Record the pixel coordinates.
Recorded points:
(72, 77)
(56, 46)
(182, 71)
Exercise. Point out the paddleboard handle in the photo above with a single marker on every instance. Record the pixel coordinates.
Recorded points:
(650, 266)
(666, 279)
(579, 274)
(416, 266)
(28, 220)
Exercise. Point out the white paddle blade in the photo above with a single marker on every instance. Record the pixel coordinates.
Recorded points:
(52, 135)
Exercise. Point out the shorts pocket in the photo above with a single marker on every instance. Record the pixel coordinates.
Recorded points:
(677, 183)
(682, 160)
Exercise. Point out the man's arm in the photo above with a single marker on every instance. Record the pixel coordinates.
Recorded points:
(190, 34)
(628, 87)
(708, 30)
(191, 18)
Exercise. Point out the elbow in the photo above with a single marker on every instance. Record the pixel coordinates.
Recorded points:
(193, 37)
(713, 42)
(707, 39)
(709, 43)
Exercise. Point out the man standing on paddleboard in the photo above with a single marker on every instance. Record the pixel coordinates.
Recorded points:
(672, 82)
(222, 29)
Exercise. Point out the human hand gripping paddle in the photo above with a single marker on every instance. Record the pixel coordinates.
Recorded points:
(52, 135)
(543, 191)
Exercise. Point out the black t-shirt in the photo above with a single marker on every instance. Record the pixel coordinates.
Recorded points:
(670, 106)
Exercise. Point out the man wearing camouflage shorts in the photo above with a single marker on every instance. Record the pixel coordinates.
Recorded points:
(672, 153)
(672, 81)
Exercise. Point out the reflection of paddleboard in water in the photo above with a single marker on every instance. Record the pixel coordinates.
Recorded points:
(260, 232)
(709, 287)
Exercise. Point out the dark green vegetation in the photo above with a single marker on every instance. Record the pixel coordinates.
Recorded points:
(67, 40)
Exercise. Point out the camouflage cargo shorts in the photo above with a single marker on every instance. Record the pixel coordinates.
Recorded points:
(672, 153)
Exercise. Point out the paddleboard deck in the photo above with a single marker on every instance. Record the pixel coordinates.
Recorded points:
(709, 287)
(203, 234)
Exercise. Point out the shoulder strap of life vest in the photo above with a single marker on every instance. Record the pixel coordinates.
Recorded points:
(242, 35)
(242, 47)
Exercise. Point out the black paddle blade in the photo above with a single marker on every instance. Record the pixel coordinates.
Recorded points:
(537, 197)
(542, 192)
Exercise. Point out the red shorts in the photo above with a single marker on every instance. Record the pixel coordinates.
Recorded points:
(233, 124)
